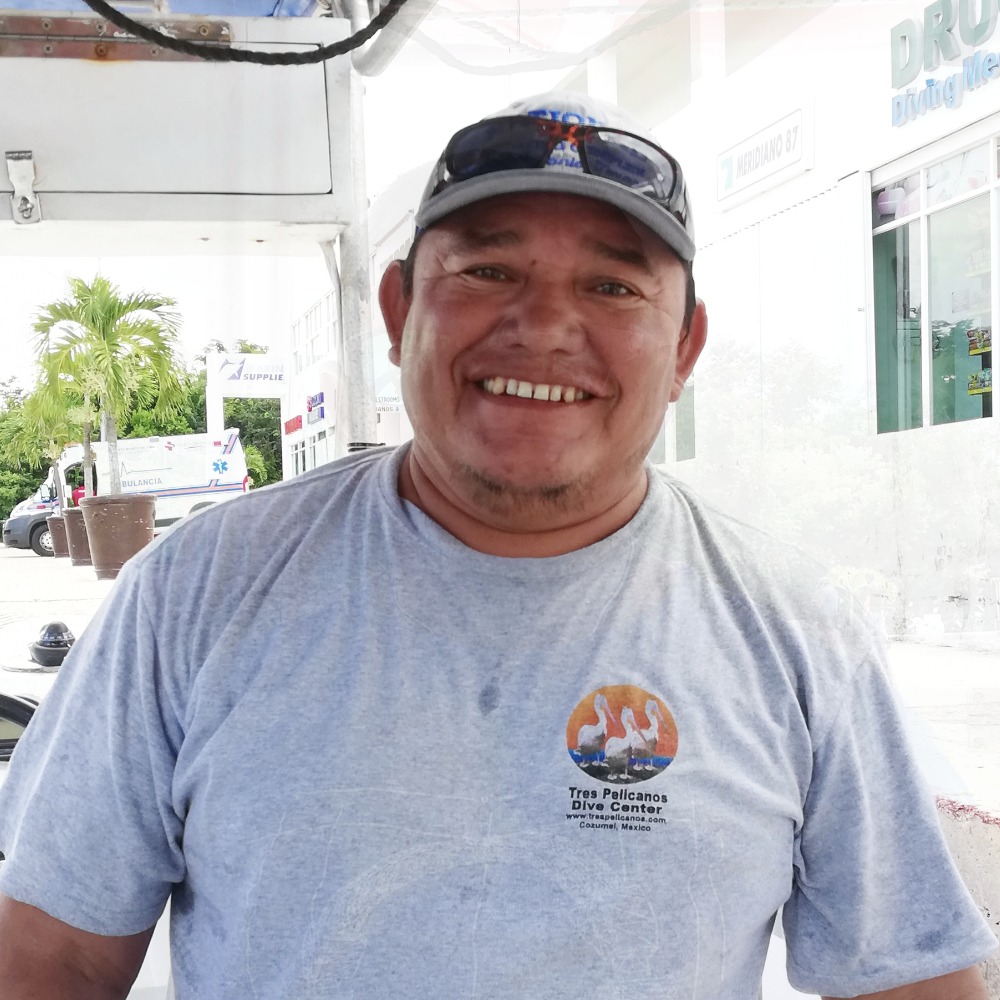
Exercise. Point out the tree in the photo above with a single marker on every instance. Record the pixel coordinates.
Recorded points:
(256, 466)
(20, 476)
(117, 352)
(35, 431)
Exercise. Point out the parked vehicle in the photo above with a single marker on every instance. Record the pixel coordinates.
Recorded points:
(186, 472)
(26, 527)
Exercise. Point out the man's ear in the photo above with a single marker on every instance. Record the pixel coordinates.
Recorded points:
(689, 348)
(394, 305)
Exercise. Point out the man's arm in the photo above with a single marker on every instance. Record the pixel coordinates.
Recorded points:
(964, 985)
(42, 958)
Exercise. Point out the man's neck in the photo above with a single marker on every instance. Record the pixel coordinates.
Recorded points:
(527, 541)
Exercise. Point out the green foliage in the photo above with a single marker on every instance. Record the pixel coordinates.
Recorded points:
(20, 476)
(118, 349)
(145, 423)
(256, 466)
(117, 352)
(194, 388)
(259, 424)
(21, 447)
(16, 486)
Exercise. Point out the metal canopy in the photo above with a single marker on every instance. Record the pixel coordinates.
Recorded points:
(201, 8)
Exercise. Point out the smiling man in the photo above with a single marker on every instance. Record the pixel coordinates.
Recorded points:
(505, 712)
(545, 335)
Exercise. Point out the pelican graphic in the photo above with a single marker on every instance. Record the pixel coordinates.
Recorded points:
(619, 750)
(649, 737)
(590, 739)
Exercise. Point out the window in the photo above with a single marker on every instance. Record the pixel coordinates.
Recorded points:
(959, 249)
(933, 293)
(314, 333)
(298, 458)
(897, 328)
(318, 454)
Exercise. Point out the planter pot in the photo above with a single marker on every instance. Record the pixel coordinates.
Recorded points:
(76, 535)
(118, 527)
(57, 532)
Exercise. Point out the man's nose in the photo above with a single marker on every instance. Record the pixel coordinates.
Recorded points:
(546, 316)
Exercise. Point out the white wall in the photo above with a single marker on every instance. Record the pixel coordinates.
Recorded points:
(784, 394)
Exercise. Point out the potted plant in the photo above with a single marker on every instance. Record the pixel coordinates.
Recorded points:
(114, 351)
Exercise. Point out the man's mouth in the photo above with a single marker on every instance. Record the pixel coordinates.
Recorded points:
(500, 386)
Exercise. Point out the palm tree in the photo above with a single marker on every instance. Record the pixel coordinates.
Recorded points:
(48, 425)
(116, 352)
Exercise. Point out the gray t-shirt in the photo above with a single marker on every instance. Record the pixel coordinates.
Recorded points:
(368, 761)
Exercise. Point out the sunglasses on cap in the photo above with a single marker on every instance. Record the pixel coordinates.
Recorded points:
(524, 142)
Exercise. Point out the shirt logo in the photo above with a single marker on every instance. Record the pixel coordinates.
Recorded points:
(621, 734)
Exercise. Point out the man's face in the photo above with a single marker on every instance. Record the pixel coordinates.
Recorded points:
(545, 290)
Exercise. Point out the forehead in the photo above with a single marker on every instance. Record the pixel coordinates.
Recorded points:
(514, 219)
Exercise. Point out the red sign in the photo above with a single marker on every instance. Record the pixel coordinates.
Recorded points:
(295, 424)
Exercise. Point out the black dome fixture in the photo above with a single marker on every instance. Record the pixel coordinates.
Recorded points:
(53, 644)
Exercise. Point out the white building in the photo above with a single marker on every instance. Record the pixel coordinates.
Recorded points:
(847, 224)
(308, 408)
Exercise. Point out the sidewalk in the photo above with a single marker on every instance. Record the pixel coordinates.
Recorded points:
(33, 592)
(953, 698)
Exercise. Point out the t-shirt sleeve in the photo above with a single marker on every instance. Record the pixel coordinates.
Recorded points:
(877, 900)
(87, 822)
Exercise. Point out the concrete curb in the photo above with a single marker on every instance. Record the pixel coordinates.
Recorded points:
(973, 837)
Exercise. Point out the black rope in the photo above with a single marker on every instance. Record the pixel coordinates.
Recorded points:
(216, 53)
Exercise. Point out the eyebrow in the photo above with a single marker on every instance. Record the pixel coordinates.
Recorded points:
(479, 239)
(470, 240)
(621, 255)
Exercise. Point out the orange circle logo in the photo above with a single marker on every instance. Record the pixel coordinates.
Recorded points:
(621, 734)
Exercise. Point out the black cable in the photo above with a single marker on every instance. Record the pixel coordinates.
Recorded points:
(215, 53)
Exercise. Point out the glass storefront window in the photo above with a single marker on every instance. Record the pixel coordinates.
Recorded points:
(960, 311)
(958, 175)
(897, 328)
(932, 255)
(896, 201)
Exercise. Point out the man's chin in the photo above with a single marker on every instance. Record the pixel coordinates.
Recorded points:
(502, 493)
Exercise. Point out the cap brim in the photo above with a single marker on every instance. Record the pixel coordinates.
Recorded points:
(558, 181)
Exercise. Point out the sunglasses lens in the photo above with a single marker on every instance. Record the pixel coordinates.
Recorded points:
(631, 162)
(504, 144)
(526, 143)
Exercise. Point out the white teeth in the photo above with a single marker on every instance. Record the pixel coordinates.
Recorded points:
(498, 386)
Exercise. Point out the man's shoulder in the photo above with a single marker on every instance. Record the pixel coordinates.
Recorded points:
(724, 535)
(793, 593)
(274, 517)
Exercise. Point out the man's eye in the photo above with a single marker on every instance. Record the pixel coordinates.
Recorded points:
(615, 288)
(492, 273)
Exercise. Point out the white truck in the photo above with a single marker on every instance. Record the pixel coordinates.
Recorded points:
(185, 472)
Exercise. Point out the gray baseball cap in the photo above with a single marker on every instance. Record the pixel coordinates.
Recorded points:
(623, 166)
